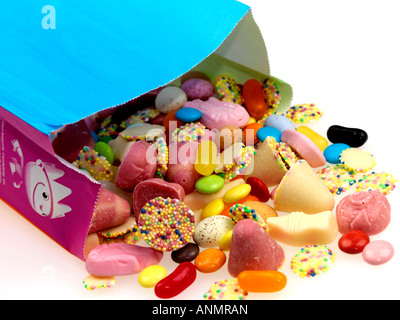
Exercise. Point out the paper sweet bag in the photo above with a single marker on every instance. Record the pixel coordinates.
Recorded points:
(62, 61)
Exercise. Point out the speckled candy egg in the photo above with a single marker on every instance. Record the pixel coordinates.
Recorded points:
(170, 99)
(210, 231)
(198, 89)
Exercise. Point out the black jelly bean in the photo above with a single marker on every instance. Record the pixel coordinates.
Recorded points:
(187, 253)
(351, 136)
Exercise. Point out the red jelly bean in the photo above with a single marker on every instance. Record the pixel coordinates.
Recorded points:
(254, 98)
(258, 189)
(353, 242)
(176, 282)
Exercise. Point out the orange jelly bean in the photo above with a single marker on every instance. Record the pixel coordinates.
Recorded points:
(253, 97)
(210, 260)
(254, 127)
(262, 280)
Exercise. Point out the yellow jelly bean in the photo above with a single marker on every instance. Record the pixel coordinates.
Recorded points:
(214, 208)
(319, 140)
(251, 120)
(237, 193)
(150, 276)
(225, 242)
(206, 158)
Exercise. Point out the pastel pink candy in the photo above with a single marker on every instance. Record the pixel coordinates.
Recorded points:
(152, 188)
(368, 211)
(111, 210)
(304, 146)
(252, 248)
(378, 252)
(217, 113)
(139, 164)
(182, 156)
(120, 259)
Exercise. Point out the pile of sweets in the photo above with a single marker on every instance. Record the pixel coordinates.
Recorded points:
(188, 169)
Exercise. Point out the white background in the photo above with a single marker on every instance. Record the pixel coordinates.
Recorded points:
(341, 55)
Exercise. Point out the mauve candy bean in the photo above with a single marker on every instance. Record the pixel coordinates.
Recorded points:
(119, 259)
(198, 89)
(378, 252)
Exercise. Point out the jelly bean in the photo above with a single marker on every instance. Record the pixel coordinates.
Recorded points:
(214, 208)
(206, 158)
(265, 132)
(258, 188)
(225, 242)
(105, 150)
(319, 140)
(332, 152)
(209, 184)
(188, 114)
(150, 276)
(250, 133)
(252, 93)
(353, 242)
(237, 193)
(187, 253)
(210, 260)
(262, 280)
(175, 283)
(378, 252)
(353, 137)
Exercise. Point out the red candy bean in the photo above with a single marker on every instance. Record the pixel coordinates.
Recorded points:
(353, 242)
(176, 282)
(258, 189)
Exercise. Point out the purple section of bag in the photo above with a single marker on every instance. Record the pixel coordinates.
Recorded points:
(53, 196)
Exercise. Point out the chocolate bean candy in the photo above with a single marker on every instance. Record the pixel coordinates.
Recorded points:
(187, 253)
(353, 137)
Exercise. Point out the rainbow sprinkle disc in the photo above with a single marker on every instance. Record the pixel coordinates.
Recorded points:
(272, 97)
(239, 212)
(337, 178)
(227, 89)
(143, 131)
(384, 182)
(192, 131)
(96, 164)
(141, 116)
(240, 162)
(166, 224)
(225, 290)
(357, 160)
(312, 260)
(162, 156)
(92, 282)
(120, 230)
(283, 153)
(304, 113)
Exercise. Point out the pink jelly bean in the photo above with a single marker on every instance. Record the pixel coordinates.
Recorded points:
(175, 283)
(378, 252)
